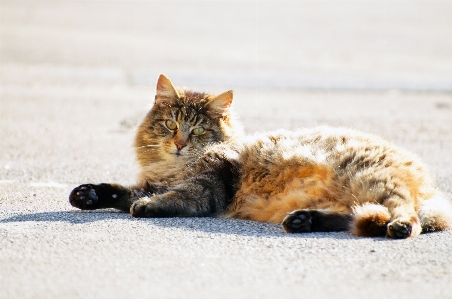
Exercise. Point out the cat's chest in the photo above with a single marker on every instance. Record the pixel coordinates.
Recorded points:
(165, 173)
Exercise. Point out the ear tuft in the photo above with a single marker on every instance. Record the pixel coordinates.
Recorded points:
(221, 104)
(165, 91)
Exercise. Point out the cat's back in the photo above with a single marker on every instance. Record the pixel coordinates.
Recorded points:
(322, 144)
(338, 149)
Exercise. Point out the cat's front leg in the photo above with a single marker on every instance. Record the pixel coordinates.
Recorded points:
(157, 206)
(202, 195)
(174, 204)
(101, 196)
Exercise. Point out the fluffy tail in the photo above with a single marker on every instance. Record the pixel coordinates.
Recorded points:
(436, 213)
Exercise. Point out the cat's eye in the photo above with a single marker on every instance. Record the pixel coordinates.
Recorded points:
(198, 131)
(171, 124)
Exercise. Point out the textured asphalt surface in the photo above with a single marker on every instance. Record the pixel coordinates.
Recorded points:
(75, 78)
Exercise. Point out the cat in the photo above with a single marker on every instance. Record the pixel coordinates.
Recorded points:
(195, 161)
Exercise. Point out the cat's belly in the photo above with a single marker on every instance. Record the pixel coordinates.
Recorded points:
(270, 194)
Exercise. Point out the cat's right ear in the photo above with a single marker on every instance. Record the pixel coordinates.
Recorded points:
(166, 93)
(221, 104)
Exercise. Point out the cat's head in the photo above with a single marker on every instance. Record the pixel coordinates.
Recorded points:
(182, 123)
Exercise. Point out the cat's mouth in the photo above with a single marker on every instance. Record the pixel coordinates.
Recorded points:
(182, 154)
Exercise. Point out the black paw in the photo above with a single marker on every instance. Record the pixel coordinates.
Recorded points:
(298, 222)
(91, 197)
(399, 230)
(84, 197)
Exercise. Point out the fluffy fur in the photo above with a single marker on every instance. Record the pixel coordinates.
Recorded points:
(195, 162)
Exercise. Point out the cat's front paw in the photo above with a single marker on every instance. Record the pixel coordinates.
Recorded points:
(84, 197)
(298, 222)
(91, 197)
(144, 208)
(402, 229)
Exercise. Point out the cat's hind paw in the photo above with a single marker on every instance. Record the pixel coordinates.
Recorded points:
(84, 197)
(297, 222)
(310, 220)
(399, 229)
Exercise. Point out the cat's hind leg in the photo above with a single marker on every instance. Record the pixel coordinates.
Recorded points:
(404, 221)
(435, 214)
(393, 220)
(370, 220)
(311, 220)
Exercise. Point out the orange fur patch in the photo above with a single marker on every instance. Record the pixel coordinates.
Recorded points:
(271, 198)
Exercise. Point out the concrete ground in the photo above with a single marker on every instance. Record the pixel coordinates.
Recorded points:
(76, 77)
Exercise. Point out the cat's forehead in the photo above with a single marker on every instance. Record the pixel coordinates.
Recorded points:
(189, 107)
(195, 97)
(190, 114)
(190, 104)
(193, 100)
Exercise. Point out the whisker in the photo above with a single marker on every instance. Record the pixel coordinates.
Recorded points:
(147, 146)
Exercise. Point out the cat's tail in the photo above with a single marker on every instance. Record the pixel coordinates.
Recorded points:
(435, 213)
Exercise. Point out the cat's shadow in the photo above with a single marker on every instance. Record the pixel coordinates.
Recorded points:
(202, 224)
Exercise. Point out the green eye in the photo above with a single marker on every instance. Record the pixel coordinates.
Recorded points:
(171, 124)
(198, 131)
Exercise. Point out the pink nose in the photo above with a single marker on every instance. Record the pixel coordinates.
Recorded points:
(180, 145)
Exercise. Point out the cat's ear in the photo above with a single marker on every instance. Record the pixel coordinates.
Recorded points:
(165, 91)
(220, 105)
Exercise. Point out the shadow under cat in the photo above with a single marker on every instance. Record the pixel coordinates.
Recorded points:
(217, 225)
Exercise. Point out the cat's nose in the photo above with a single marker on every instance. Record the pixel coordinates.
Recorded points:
(180, 145)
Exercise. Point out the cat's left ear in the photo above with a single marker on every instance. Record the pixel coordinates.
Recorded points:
(166, 93)
(221, 104)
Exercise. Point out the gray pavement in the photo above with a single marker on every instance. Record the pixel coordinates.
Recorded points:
(76, 77)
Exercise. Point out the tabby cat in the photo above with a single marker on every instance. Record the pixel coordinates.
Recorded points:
(195, 162)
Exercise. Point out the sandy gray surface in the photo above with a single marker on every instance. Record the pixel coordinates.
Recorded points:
(76, 77)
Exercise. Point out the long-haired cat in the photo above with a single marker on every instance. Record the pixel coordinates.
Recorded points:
(195, 162)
